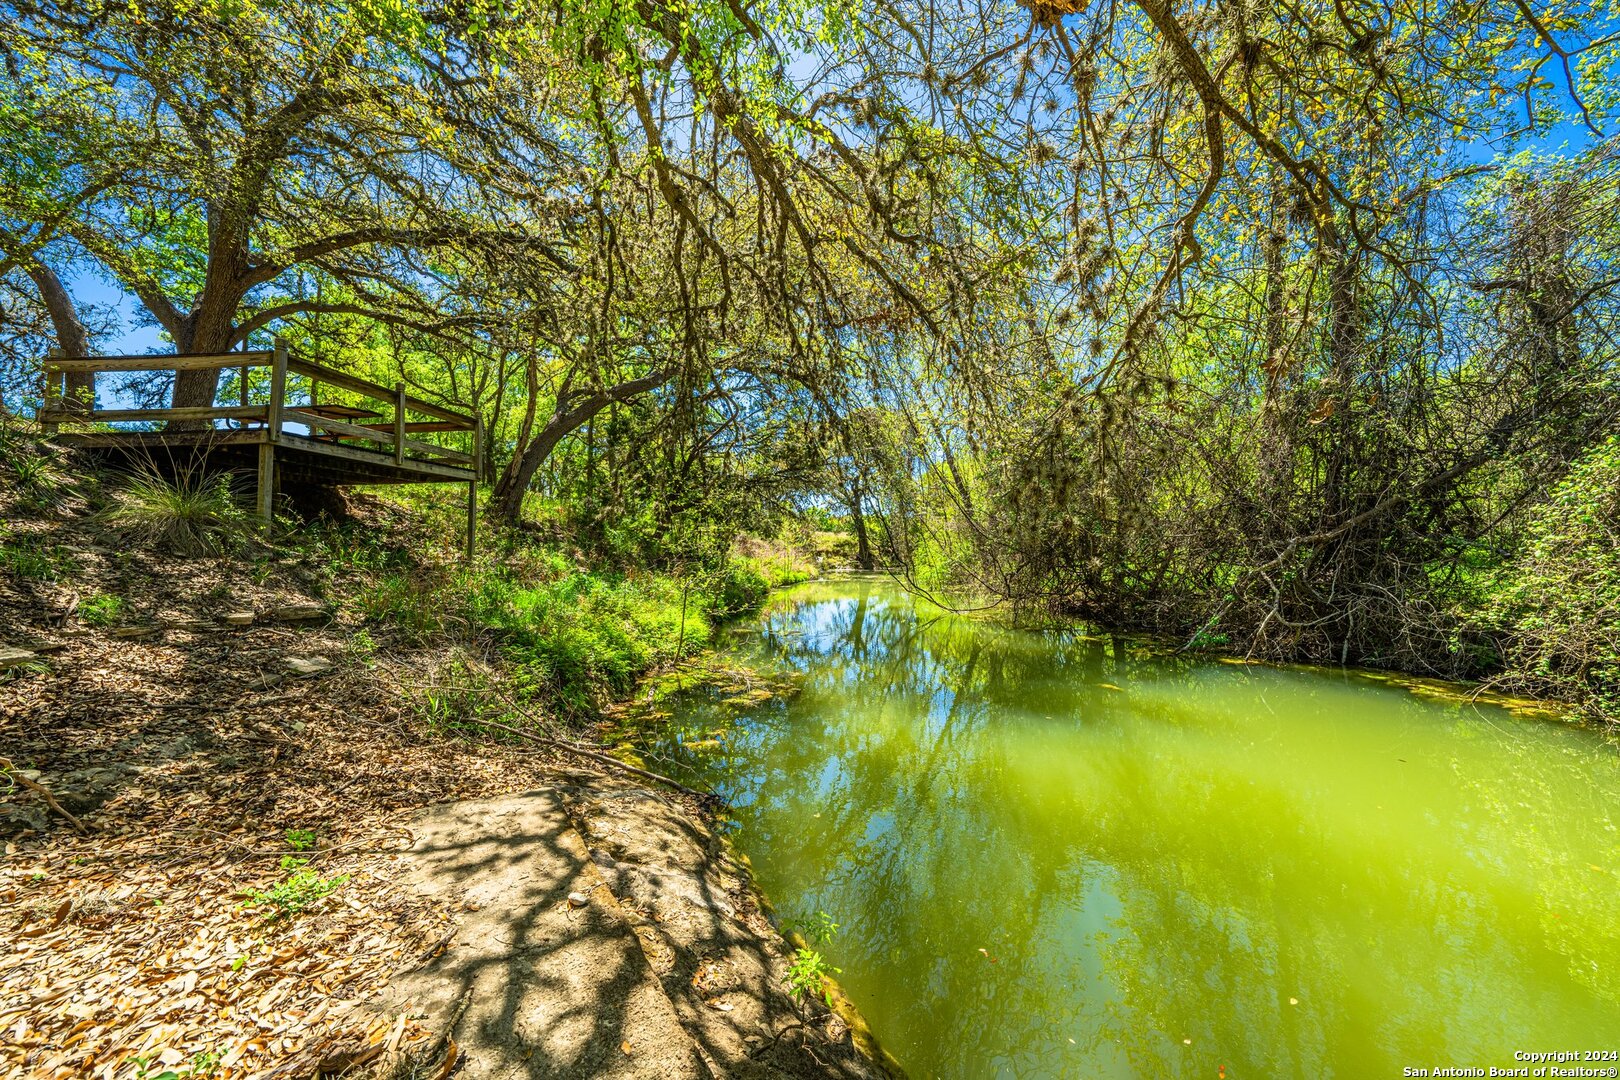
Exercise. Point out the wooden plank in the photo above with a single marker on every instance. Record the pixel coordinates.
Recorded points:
(169, 362)
(373, 390)
(419, 426)
(205, 439)
(378, 433)
(430, 450)
(335, 427)
(375, 459)
(114, 416)
(50, 396)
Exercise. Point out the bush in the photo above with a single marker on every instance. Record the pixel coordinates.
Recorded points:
(1555, 610)
(737, 588)
(195, 513)
(584, 634)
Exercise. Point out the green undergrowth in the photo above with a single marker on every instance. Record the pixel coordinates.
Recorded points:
(533, 622)
(1553, 612)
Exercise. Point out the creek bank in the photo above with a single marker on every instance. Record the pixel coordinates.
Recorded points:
(668, 968)
(249, 771)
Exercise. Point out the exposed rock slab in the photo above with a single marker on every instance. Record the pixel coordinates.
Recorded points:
(536, 986)
(720, 961)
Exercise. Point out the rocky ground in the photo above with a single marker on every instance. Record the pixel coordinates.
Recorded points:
(219, 833)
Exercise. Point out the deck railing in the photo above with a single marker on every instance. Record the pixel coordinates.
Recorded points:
(391, 434)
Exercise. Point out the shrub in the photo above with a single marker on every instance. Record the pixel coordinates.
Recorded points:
(736, 589)
(1555, 610)
(195, 513)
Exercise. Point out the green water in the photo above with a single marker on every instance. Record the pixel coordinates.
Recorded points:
(1037, 875)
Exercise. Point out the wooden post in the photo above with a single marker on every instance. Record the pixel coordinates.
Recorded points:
(278, 390)
(472, 487)
(272, 434)
(267, 483)
(399, 423)
(51, 391)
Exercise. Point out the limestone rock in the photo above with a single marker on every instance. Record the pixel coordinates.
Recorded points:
(298, 612)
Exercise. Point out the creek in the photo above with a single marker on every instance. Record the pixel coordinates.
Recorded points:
(1058, 854)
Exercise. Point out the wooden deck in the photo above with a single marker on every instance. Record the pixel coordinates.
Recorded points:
(254, 436)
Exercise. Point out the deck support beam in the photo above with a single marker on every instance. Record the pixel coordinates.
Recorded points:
(50, 394)
(472, 485)
(265, 494)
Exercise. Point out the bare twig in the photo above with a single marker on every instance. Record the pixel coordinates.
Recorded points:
(42, 791)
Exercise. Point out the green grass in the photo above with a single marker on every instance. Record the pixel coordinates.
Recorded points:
(32, 560)
(584, 635)
(195, 513)
(102, 610)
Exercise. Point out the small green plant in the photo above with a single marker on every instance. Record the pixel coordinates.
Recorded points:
(30, 560)
(363, 646)
(818, 928)
(203, 1063)
(194, 513)
(102, 609)
(301, 839)
(1206, 639)
(807, 976)
(40, 484)
(296, 893)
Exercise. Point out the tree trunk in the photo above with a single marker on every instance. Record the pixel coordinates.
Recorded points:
(71, 336)
(507, 499)
(863, 544)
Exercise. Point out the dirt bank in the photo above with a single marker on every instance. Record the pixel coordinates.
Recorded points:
(267, 861)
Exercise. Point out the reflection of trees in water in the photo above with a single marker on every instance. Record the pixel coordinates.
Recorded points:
(1135, 892)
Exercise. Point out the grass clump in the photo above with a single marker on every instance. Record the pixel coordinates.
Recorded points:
(37, 482)
(412, 607)
(194, 513)
(102, 610)
(31, 560)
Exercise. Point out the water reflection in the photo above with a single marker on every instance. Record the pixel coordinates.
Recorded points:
(1052, 857)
